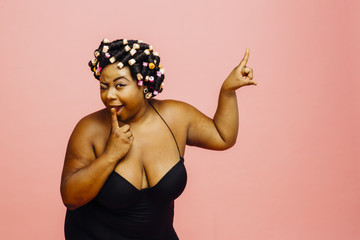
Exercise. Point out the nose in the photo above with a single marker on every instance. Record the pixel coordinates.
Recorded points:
(111, 95)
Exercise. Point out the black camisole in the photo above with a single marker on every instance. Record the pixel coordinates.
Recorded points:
(120, 211)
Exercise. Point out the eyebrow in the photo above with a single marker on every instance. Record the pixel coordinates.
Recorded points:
(116, 79)
(120, 78)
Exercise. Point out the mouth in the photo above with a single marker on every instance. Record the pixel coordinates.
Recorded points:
(117, 108)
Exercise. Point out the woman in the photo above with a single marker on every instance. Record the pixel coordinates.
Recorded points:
(124, 167)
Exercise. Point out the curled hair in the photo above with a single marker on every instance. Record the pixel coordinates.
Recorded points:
(144, 64)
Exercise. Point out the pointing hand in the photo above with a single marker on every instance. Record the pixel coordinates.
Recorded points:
(240, 76)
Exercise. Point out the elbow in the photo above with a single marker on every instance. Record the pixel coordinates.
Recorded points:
(69, 200)
(231, 144)
(228, 145)
(71, 205)
(224, 145)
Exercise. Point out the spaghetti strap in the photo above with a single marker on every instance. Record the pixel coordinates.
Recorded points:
(168, 128)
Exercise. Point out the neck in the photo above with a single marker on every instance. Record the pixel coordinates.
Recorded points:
(141, 116)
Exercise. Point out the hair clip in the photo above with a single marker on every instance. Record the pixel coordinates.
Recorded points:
(136, 46)
(105, 49)
(162, 85)
(132, 61)
(156, 54)
(139, 76)
(127, 48)
(158, 73)
(94, 69)
(140, 41)
(140, 83)
(145, 64)
(155, 92)
(125, 41)
(94, 61)
(147, 51)
(146, 90)
(120, 65)
(107, 55)
(151, 78)
(160, 66)
(150, 48)
(162, 70)
(132, 52)
(96, 54)
(112, 59)
(97, 71)
(151, 65)
(106, 40)
(148, 95)
(146, 78)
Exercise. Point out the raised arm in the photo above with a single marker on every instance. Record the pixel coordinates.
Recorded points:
(221, 132)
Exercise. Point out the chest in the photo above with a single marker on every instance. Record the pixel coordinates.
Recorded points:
(155, 150)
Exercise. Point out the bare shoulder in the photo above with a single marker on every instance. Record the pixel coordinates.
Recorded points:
(171, 107)
(92, 124)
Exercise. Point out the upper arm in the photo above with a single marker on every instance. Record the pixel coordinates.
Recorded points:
(201, 130)
(79, 152)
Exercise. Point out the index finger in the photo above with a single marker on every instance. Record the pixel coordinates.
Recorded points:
(114, 121)
(245, 59)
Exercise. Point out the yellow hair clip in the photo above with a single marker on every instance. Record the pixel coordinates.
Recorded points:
(151, 65)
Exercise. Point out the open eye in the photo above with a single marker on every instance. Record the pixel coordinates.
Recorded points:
(120, 85)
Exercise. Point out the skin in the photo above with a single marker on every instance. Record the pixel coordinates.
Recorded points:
(122, 138)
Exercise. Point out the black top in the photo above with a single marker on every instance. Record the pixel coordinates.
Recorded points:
(122, 212)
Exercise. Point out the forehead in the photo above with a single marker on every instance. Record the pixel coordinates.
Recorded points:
(111, 72)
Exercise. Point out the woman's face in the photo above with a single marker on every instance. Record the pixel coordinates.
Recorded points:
(119, 90)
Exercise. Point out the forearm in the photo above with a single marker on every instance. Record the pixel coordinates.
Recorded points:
(226, 118)
(83, 185)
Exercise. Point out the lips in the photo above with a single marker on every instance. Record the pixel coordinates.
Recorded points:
(117, 108)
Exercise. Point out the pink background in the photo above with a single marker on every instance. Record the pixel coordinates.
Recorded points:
(294, 172)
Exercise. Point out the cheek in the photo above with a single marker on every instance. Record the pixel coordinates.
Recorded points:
(135, 94)
(102, 96)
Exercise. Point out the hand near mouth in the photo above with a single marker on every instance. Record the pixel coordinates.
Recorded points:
(121, 138)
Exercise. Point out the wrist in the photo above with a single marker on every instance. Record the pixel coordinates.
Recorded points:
(228, 92)
(111, 158)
